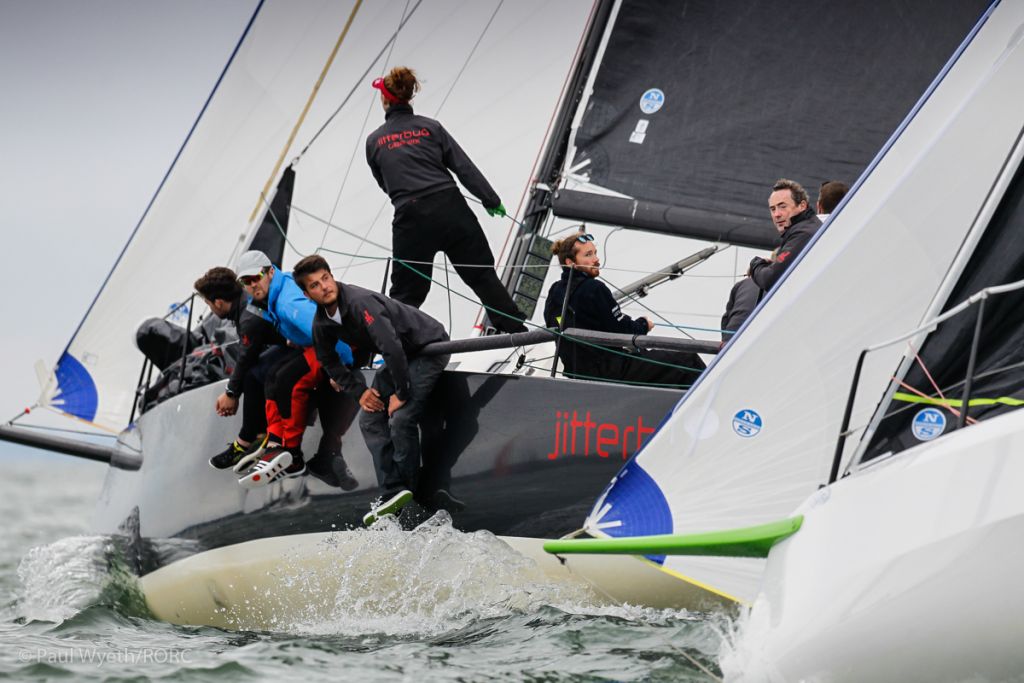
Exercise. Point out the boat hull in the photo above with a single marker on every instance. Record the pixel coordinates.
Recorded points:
(906, 570)
(526, 455)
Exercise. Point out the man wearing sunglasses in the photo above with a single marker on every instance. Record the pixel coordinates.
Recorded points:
(591, 306)
(262, 349)
(291, 385)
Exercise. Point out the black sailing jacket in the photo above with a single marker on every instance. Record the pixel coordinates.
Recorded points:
(254, 334)
(801, 229)
(410, 156)
(372, 323)
(591, 307)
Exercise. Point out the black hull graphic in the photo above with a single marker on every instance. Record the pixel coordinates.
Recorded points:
(527, 456)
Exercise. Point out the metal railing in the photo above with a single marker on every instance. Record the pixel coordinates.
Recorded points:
(978, 298)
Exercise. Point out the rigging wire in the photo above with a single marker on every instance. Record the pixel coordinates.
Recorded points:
(305, 109)
(358, 84)
(362, 129)
(636, 300)
(468, 58)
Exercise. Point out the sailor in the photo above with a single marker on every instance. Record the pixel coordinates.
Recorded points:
(829, 196)
(262, 349)
(411, 157)
(290, 387)
(796, 223)
(591, 306)
(393, 407)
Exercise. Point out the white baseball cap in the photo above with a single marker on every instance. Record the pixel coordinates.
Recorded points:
(252, 262)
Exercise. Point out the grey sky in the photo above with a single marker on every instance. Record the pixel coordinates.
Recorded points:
(96, 98)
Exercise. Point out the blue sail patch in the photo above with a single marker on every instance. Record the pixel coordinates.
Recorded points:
(76, 392)
(633, 505)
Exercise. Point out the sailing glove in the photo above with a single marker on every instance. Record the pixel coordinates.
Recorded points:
(499, 210)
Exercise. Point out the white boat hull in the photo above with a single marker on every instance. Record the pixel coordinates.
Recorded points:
(278, 582)
(907, 570)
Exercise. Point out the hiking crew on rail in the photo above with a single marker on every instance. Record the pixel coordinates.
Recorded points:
(372, 323)
(412, 157)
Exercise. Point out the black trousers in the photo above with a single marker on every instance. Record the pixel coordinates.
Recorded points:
(254, 403)
(443, 222)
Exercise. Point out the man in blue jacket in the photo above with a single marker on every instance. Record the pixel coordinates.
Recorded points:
(290, 387)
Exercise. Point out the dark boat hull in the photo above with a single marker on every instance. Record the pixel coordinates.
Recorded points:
(526, 455)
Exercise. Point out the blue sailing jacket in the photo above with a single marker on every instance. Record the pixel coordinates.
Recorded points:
(292, 313)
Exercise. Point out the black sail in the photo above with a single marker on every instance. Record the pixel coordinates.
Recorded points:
(751, 92)
(999, 372)
(270, 237)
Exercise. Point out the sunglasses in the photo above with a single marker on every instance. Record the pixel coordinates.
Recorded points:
(247, 280)
(585, 237)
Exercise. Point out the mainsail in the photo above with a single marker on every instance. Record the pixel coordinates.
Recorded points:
(495, 96)
(698, 106)
(754, 437)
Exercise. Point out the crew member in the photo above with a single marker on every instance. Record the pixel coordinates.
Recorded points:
(262, 349)
(291, 385)
(393, 407)
(591, 306)
(410, 156)
(796, 223)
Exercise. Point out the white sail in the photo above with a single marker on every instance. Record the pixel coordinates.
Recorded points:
(497, 97)
(756, 435)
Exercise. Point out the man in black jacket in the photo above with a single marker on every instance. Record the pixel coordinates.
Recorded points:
(591, 306)
(372, 323)
(263, 349)
(796, 223)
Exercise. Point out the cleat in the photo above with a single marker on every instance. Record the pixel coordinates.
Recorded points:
(389, 507)
(271, 467)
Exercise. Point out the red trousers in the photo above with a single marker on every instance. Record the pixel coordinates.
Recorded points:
(302, 373)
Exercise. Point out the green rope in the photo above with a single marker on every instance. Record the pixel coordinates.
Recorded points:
(957, 403)
(485, 307)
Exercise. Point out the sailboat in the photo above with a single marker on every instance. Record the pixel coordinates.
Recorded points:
(898, 561)
(755, 435)
(609, 154)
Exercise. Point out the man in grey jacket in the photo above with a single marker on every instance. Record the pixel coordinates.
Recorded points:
(392, 408)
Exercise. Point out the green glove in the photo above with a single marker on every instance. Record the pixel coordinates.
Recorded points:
(499, 210)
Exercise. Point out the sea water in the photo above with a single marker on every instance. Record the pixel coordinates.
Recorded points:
(438, 605)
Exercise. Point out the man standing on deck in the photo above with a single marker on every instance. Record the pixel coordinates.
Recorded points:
(290, 388)
(796, 223)
(372, 323)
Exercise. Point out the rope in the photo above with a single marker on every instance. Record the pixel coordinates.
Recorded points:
(468, 57)
(358, 84)
(947, 402)
(362, 129)
(305, 110)
(644, 306)
(489, 309)
(606, 380)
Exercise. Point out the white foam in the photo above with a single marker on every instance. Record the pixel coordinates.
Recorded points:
(62, 578)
